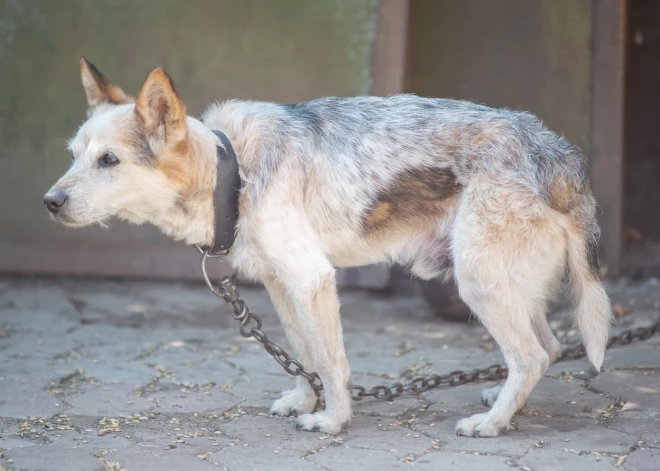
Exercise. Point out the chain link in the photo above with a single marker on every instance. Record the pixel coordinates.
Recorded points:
(228, 291)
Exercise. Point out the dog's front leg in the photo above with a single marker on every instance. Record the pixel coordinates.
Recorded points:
(290, 250)
(317, 308)
(301, 399)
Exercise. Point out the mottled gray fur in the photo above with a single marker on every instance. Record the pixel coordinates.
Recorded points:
(367, 143)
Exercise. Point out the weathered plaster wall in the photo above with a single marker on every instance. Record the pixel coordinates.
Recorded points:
(533, 55)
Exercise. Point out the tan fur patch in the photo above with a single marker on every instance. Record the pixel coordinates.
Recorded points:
(162, 111)
(98, 88)
(162, 115)
(562, 195)
(117, 96)
(173, 164)
(415, 197)
(379, 214)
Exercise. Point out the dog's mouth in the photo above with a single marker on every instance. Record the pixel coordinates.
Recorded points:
(65, 219)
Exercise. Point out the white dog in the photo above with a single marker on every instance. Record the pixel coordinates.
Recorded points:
(448, 188)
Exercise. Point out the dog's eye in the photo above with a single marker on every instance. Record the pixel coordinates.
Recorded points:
(109, 160)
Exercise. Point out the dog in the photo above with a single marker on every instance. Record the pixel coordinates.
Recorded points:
(450, 189)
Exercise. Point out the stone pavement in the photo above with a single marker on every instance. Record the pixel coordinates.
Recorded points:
(158, 379)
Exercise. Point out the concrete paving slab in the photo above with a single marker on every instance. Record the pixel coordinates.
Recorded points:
(640, 389)
(540, 459)
(643, 460)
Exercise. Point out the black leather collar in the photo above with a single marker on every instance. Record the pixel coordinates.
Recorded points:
(227, 191)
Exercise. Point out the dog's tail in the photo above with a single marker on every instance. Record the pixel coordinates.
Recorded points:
(593, 310)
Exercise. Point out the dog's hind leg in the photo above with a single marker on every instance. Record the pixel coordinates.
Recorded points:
(547, 340)
(505, 265)
(510, 326)
(546, 337)
(301, 399)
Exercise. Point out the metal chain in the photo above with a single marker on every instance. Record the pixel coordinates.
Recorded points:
(228, 291)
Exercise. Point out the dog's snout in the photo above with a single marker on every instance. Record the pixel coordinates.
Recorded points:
(54, 200)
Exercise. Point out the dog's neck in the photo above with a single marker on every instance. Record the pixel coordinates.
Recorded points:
(188, 214)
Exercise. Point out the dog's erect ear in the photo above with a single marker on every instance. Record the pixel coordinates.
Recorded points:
(162, 112)
(98, 88)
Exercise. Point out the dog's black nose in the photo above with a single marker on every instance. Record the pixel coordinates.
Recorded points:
(54, 200)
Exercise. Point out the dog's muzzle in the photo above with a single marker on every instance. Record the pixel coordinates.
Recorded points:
(54, 200)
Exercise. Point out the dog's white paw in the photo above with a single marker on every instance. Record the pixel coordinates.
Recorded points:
(480, 425)
(321, 422)
(490, 395)
(294, 402)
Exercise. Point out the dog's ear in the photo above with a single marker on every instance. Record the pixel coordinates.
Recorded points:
(98, 88)
(160, 109)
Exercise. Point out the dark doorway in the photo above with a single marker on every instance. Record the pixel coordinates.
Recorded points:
(641, 209)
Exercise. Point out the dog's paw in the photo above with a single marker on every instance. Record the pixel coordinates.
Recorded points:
(490, 395)
(480, 425)
(294, 402)
(321, 422)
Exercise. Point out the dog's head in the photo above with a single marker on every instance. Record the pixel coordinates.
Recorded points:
(128, 158)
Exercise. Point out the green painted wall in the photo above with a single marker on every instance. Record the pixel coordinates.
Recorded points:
(526, 54)
(280, 50)
(533, 55)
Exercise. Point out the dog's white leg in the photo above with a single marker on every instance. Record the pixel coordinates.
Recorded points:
(290, 248)
(490, 395)
(507, 260)
(546, 337)
(547, 340)
(301, 399)
(510, 325)
(319, 317)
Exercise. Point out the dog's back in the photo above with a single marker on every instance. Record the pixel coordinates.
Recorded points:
(372, 141)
